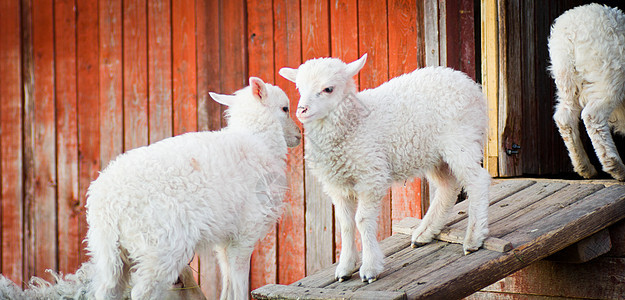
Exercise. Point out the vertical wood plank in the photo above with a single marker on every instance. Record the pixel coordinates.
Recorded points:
(373, 40)
(159, 70)
(451, 34)
(39, 142)
(208, 63)
(261, 64)
(88, 106)
(209, 112)
(344, 37)
(184, 64)
(67, 136)
(319, 219)
(28, 83)
(490, 81)
(529, 150)
(468, 62)
(111, 74)
(184, 72)
(403, 58)
(291, 234)
(135, 74)
(11, 189)
(510, 100)
(232, 38)
(432, 53)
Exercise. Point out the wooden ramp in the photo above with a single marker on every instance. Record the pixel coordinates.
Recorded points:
(537, 217)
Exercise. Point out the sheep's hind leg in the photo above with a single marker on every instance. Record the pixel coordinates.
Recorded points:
(239, 262)
(366, 221)
(476, 185)
(447, 190)
(567, 119)
(345, 209)
(595, 116)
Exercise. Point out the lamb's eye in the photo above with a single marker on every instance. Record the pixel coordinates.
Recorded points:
(285, 109)
(328, 90)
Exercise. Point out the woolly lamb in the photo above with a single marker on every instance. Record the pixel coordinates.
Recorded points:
(153, 206)
(587, 51)
(432, 121)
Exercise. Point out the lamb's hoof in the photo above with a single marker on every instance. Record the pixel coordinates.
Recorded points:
(469, 251)
(417, 244)
(369, 280)
(342, 278)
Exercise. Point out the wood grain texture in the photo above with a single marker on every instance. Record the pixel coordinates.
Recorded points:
(275, 291)
(373, 40)
(68, 203)
(135, 74)
(490, 81)
(208, 64)
(601, 279)
(319, 218)
(184, 67)
(585, 250)
(11, 172)
(111, 80)
(209, 112)
(160, 94)
(344, 37)
(232, 41)
(264, 265)
(404, 57)
(452, 235)
(88, 107)
(291, 227)
(39, 142)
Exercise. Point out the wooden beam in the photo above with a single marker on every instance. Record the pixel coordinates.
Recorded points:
(452, 235)
(585, 250)
(276, 291)
(490, 80)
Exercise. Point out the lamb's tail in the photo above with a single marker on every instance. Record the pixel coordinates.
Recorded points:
(71, 286)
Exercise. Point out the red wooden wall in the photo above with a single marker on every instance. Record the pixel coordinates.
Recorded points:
(82, 81)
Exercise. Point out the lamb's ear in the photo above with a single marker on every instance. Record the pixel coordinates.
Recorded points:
(259, 90)
(354, 67)
(223, 99)
(288, 73)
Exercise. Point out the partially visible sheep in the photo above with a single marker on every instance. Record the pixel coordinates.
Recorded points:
(587, 51)
(154, 206)
(430, 122)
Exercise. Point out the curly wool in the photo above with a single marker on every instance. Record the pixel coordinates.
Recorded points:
(154, 206)
(587, 53)
(430, 122)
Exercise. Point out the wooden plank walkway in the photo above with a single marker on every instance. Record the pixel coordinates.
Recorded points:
(538, 218)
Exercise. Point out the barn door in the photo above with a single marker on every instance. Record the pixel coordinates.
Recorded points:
(523, 139)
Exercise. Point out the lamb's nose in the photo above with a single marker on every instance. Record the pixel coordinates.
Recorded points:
(302, 109)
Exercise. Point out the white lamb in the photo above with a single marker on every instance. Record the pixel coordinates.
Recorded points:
(430, 122)
(587, 51)
(154, 206)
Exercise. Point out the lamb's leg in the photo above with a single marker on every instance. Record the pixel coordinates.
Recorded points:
(224, 268)
(476, 185)
(567, 119)
(345, 209)
(595, 115)
(239, 260)
(366, 221)
(447, 190)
